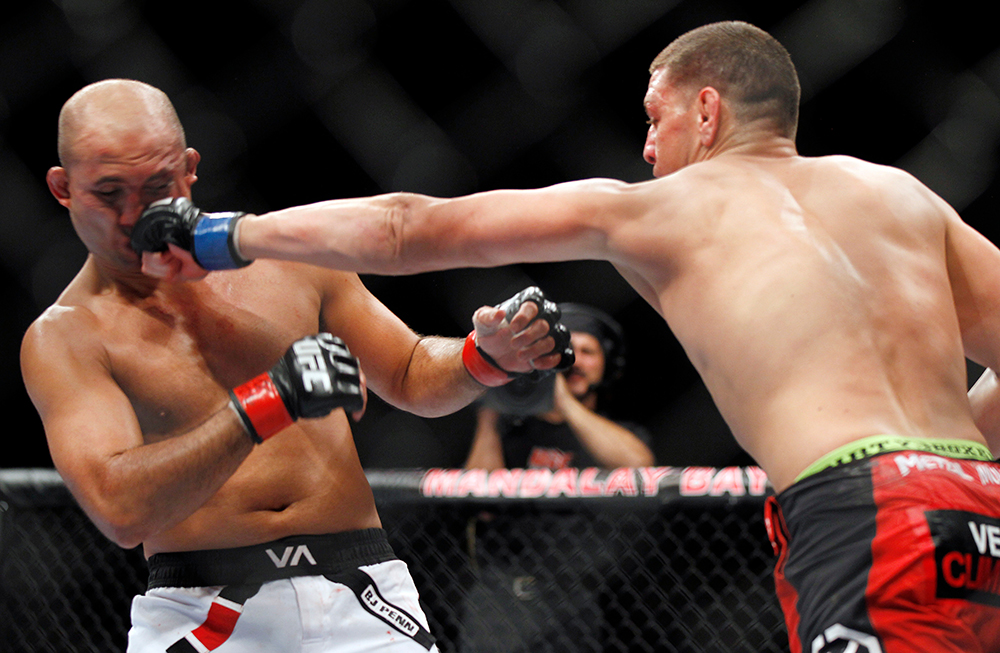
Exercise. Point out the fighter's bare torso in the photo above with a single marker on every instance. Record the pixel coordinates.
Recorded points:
(794, 285)
(175, 353)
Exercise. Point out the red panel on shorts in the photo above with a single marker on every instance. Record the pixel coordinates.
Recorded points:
(777, 532)
(218, 626)
(924, 505)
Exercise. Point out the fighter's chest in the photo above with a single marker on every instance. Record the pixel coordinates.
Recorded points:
(177, 360)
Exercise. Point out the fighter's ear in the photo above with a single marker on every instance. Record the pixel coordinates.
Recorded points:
(191, 161)
(58, 182)
(709, 105)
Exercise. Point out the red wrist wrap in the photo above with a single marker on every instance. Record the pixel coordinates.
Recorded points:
(261, 407)
(480, 369)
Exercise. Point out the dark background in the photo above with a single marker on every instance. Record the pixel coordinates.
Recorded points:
(303, 100)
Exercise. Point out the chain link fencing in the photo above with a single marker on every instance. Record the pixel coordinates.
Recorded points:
(626, 561)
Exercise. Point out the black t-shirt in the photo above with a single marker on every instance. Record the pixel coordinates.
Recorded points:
(532, 442)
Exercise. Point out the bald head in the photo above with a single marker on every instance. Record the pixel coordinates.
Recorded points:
(113, 110)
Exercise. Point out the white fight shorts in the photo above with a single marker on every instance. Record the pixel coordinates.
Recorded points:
(301, 594)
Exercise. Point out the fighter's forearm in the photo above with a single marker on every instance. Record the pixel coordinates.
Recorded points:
(435, 382)
(364, 235)
(148, 489)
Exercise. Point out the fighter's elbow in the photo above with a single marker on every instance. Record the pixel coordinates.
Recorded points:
(126, 538)
(407, 223)
(126, 529)
(119, 516)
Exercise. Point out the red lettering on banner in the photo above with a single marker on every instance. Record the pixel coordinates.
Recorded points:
(534, 482)
(728, 480)
(758, 481)
(695, 481)
(440, 482)
(504, 482)
(595, 482)
(702, 481)
(472, 482)
(588, 485)
(563, 482)
(651, 477)
(621, 481)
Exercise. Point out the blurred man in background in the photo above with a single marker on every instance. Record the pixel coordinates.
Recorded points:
(557, 424)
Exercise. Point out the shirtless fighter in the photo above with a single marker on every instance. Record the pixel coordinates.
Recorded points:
(202, 420)
(828, 303)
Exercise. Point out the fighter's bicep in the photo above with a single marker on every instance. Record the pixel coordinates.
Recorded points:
(570, 221)
(86, 416)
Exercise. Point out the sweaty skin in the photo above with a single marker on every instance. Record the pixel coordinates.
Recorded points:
(131, 374)
(816, 297)
(822, 299)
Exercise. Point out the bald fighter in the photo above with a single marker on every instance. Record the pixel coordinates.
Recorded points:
(206, 421)
(828, 303)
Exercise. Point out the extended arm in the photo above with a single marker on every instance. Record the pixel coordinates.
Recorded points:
(396, 233)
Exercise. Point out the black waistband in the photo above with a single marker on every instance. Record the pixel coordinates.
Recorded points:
(299, 555)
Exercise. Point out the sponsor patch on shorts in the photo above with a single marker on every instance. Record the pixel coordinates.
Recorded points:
(966, 555)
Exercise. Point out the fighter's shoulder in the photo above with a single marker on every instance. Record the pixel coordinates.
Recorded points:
(293, 279)
(62, 322)
(62, 333)
(269, 273)
(867, 173)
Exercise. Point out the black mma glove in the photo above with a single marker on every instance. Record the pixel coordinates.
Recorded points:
(485, 370)
(315, 376)
(208, 236)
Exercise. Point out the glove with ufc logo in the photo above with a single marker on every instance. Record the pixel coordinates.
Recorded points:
(315, 376)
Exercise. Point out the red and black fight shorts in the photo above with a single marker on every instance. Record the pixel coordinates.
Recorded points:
(892, 547)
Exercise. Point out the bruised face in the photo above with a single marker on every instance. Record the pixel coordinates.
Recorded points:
(113, 176)
(672, 137)
(588, 369)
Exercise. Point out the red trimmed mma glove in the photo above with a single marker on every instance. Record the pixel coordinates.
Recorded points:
(315, 376)
(486, 371)
(208, 236)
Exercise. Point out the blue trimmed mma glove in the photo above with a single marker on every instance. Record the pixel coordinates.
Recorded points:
(208, 236)
(485, 369)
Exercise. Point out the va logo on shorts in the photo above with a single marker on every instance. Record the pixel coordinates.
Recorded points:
(840, 639)
(291, 556)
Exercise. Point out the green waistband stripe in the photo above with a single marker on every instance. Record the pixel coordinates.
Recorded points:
(879, 444)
